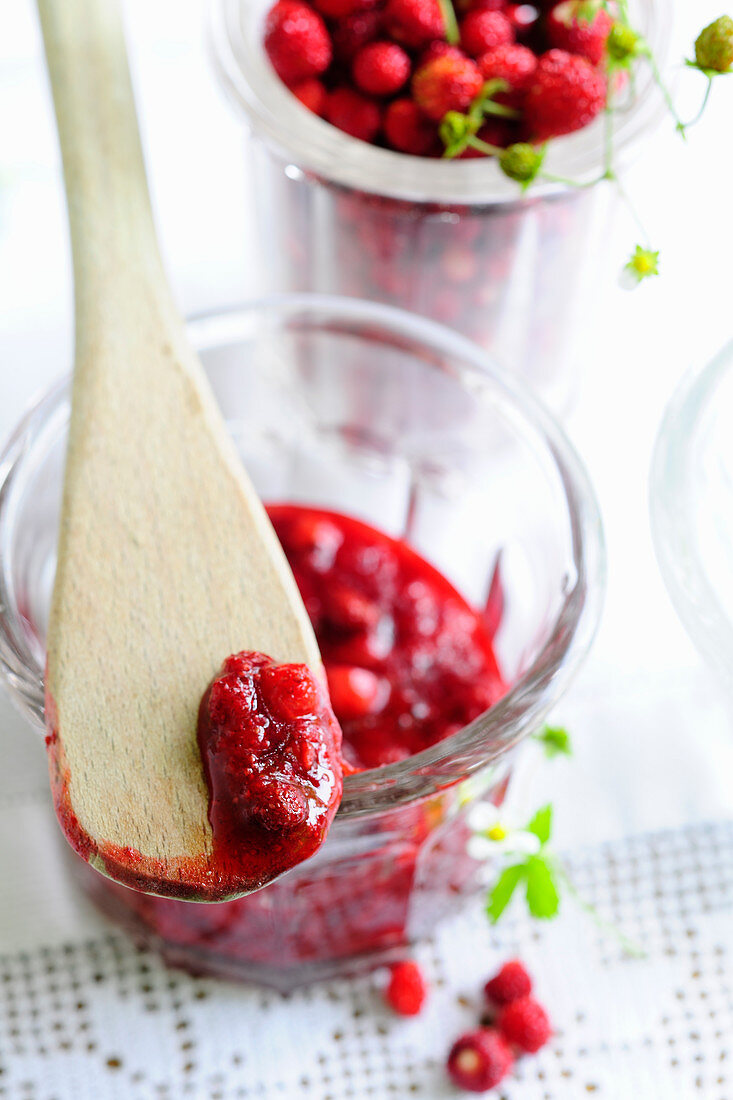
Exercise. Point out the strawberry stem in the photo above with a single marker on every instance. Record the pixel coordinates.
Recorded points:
(484, 147)
(703, 105)
(659, 81)
(452, 32)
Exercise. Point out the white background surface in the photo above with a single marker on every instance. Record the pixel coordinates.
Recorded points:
(654, 741)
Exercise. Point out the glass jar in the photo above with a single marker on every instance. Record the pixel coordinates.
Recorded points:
(363, 409)
(452, 240)
(691, 500)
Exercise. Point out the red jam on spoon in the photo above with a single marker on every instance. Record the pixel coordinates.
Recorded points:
(271, 748)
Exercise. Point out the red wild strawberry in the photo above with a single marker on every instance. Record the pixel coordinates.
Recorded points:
(459, 264)
(296, 41)
(355, 692)
(440, 49)
(407, 989)
(525, 1024)
(353, 113)
(480, 5)
(414, 22)
(514, 64)
(407, 129)
(566, 94)
(446, 84)
(381, 68)
(511, 983)
(337, 9)
(484, 30)
(353, 32)
(312, 94)
(479, 1060)
(569, 29)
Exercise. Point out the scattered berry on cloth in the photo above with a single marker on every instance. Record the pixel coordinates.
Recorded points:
(509, 984)
(479, 1060)
(525, 1024)
(407, 989)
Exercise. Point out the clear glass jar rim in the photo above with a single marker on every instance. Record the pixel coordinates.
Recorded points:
(314, 146)
(523, 708)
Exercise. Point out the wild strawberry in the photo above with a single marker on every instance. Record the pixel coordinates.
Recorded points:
(479, 1060)
(459, 264)
(566, 93)
(355, 692)
(407, 989)
(446, 84)
(407, 129)
(514, 64)
(521, 162)
(337, 9)
(381, 68)
(414, 22)
(484, 30)
(296, 41)
(481, 5)
(714, 46)
(525, 1023)
(440, 49)
(570, 28)
(312, 94)
(353, 113)
(354, 32)
(511, 983)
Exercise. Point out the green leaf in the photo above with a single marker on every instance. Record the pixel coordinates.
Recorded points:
(541, 824)
(543, 898)
(501, 894)
(556, 741)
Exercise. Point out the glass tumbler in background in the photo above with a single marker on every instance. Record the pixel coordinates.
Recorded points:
(451, 240)
(359, 408)
(691, 500)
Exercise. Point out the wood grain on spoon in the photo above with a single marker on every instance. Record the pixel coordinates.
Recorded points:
(166, 560)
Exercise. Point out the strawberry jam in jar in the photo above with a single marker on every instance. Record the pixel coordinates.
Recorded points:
(452, 239)
(448, 548)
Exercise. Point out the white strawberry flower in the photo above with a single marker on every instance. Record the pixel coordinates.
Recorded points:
(494, 836)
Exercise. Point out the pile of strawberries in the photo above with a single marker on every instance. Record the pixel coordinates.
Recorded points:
(384, 71)
(517, 1023)
(481, 1059)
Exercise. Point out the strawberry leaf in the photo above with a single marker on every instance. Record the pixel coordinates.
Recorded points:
(541, 824)
(501, 894)
(543, 898)
(556, 741)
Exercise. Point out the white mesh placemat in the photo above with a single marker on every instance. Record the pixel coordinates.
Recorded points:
(84, 1015)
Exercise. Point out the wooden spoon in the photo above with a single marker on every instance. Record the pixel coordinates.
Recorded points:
(166, 560)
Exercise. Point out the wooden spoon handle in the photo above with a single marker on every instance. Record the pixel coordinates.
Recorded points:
(110, 217)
